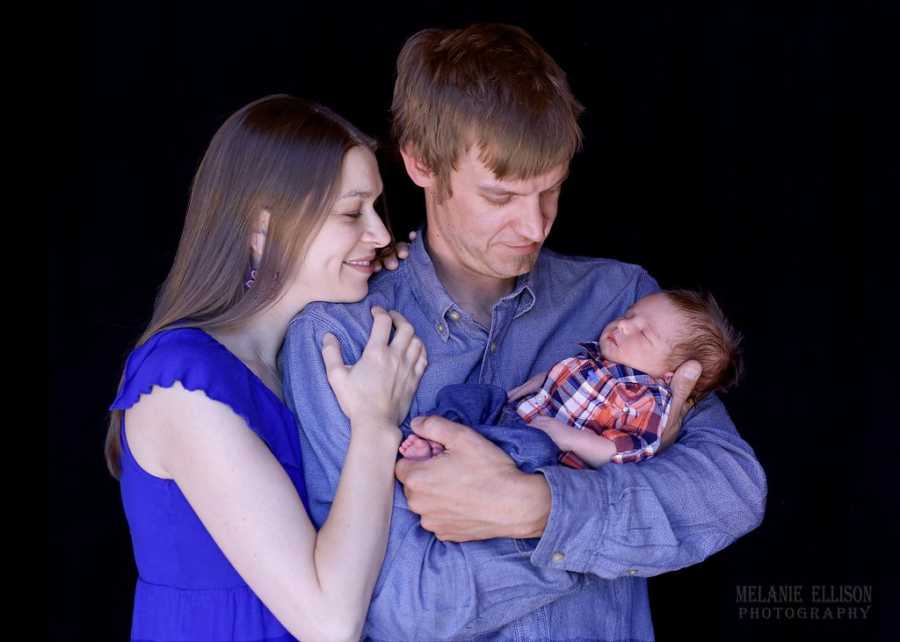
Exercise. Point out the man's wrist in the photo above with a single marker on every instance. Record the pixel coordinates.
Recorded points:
(535, 504)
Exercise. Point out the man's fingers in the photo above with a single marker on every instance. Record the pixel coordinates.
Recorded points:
(682, 385)
(402, 250)
(438, 429)
(331, 353)
(403, 468)
(684, 380)
(390, 262)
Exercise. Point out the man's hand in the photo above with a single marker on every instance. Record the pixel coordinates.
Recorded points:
(472, 490)
(682, 384)
(391, 261)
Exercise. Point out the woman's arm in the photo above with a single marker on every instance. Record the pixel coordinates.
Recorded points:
(318, 586)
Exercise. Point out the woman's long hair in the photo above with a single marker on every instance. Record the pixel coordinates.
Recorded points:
(280, 154)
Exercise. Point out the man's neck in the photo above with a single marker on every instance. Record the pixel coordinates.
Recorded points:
(474, 293)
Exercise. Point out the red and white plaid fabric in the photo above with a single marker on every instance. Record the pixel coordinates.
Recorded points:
(624, 405)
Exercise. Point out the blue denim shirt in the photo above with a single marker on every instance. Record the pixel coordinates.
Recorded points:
(608, 530)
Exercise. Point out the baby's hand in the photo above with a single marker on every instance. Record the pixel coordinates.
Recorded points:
(415, 447)
(529, 387)
(553, 428)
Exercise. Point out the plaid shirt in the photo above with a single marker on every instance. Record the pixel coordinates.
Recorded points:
(625, 405)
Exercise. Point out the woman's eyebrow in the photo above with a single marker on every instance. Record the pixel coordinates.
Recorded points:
(357, 193)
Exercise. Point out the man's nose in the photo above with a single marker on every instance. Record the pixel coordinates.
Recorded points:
(530, 220)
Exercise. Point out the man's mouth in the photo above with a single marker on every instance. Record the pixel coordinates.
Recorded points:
(526, 248)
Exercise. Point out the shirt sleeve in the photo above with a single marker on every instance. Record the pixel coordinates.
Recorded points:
(427, 589)
(668, 512)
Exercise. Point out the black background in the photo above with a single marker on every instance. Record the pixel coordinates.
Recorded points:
(723, 149)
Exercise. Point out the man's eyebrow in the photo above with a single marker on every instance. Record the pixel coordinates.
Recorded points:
(502, 191)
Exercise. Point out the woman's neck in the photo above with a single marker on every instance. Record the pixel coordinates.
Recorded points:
(257, 341)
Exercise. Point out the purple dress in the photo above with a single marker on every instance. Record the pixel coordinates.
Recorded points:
(187, 591)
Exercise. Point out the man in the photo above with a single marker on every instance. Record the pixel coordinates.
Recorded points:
(487, 126)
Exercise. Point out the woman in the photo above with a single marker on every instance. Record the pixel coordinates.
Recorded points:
(281, 213)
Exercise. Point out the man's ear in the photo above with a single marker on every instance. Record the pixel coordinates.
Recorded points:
(420, 174)
(258, 237)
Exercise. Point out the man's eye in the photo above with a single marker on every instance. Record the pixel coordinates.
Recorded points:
(497, 201)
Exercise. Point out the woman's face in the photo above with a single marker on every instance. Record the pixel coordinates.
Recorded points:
(341, 257)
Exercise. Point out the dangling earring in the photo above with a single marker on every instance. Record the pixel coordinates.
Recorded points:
(249, 278)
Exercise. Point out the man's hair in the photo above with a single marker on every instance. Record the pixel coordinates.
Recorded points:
(489, 85)
(710, 339)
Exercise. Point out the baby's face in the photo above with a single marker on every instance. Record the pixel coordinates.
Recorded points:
(644, 338)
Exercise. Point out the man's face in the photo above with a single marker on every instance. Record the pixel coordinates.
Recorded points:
(489, 227)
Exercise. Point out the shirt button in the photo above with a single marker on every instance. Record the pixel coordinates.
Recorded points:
(632, 571)
(493, 347)
(440, 327)
(558, 556)
(454, 315)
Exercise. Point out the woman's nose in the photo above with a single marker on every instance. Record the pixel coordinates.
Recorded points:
(377, 233)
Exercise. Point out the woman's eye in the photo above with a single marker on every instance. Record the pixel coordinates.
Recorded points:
(353, 214)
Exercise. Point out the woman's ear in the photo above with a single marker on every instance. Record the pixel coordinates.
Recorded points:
(420, 174)
(258, 237)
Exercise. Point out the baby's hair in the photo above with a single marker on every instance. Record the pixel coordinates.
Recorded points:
(710, 339)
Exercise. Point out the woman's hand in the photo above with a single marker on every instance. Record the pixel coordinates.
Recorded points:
(392, 261)
(380, 386)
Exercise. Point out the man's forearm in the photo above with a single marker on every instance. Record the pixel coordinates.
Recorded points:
(659, 515)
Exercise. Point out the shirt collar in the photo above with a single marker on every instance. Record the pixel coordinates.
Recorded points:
(434, 299)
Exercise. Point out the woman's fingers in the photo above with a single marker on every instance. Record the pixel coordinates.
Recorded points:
(331, 353)
(403, 332)
(415, 348)
(381, 327)
(421, 364)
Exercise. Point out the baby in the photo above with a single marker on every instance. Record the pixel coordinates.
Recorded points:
(616, 393)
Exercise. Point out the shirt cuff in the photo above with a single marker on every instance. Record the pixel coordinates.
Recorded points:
(576, 523)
